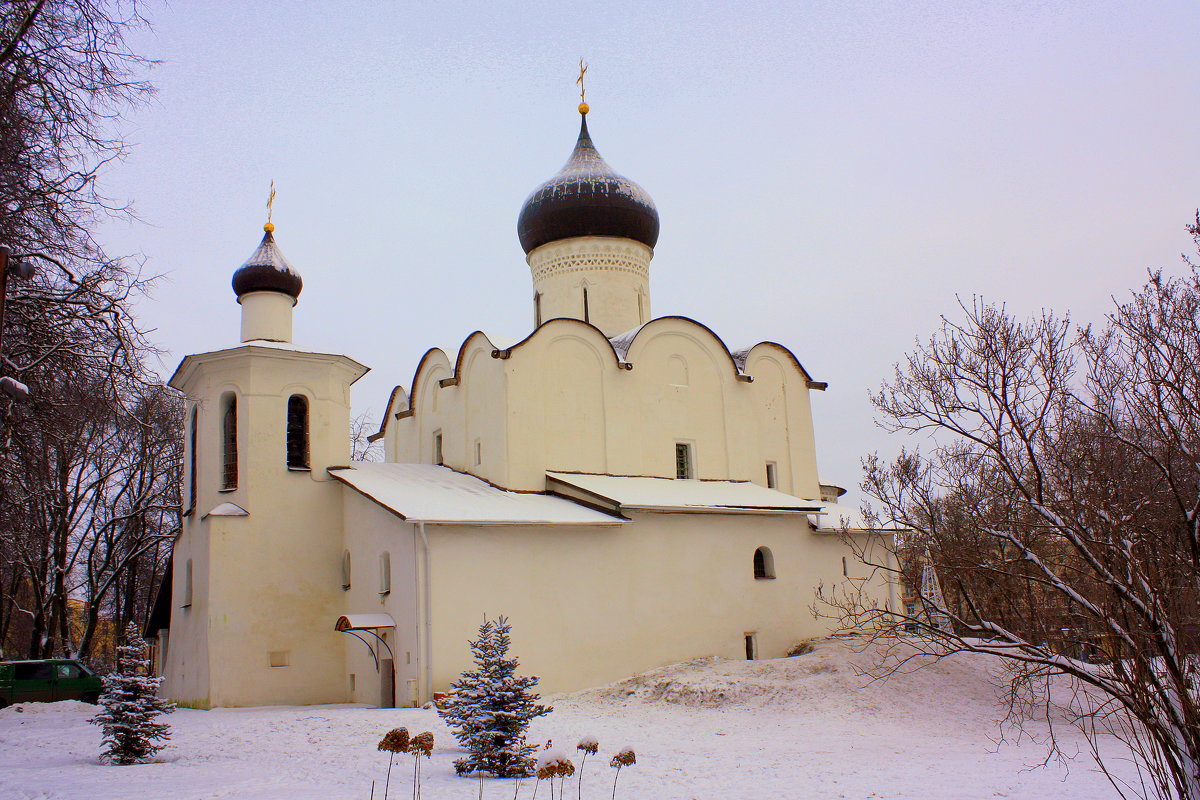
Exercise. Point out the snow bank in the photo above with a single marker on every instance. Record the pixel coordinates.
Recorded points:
(61, 707)
(813, 726)
(835, 676)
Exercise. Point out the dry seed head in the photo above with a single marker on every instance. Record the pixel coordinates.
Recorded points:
(396, 741)
(624, 758)
(589, 745)
(422, 743)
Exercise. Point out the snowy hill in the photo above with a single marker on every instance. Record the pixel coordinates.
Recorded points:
(811, 726)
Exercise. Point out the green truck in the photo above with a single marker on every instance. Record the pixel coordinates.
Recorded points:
(46, 681)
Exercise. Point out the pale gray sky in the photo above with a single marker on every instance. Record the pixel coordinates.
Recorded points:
(829, 175)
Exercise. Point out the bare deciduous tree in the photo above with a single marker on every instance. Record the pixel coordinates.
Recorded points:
(1058, 502)
(87, 465)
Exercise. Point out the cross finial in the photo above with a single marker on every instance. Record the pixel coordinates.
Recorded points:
(270, 226)
(583, 106)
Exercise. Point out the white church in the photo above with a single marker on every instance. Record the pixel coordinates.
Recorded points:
(628, 490)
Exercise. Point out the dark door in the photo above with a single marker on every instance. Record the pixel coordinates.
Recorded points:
(387, 683)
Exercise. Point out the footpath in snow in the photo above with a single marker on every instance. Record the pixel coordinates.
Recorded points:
(806, 727)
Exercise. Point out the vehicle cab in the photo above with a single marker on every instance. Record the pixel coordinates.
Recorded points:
(47, 681)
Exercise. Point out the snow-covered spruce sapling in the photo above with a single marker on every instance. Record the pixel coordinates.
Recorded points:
(131, 731)
(625, 758)
(419, 745)
(395, 741)
(590, 746)
(491, 708)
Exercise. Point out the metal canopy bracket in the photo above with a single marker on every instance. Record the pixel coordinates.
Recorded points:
(357, 624)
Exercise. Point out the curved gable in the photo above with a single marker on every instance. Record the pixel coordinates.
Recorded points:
(434, 360)
(635, 340)
(562, 324)
(763, 348)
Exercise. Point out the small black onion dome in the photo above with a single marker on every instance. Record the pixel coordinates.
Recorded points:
(587, 198)
(267, 270)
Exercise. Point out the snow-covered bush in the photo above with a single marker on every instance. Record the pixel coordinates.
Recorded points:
(491, 708)
(131, 706)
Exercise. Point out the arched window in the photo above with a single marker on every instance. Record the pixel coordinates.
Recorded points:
(764, 563)
(346, 570)
(385, 573)
(537, 309)
(297, 432)
(587, 312)
(192, 461)
(229, 453)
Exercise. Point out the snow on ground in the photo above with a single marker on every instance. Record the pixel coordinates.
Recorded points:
(805, 727)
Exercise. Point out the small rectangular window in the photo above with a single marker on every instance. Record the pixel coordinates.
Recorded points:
(280, 658)
(187, 584)
(191, 509)
(771, 480)
(751, 647)
(683, 460)
(478, 452)
(437, 448)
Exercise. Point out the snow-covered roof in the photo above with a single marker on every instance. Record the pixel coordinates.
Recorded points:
(837, 515)
(684, 495)
(186, 366)
(227, 510)
(364, 622)
(428, 493)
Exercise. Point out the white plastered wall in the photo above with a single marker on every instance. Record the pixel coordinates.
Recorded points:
(371, 531)
(469, 411)
(268, 582)
(593, 605)
(561, 401)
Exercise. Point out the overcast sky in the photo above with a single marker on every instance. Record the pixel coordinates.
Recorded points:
(829, 175)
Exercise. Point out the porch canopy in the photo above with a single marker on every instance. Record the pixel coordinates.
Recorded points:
(364, 622)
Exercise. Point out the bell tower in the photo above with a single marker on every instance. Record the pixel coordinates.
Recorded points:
(256, 569)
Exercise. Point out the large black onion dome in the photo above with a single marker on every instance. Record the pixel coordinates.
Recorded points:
(267, 270)
(587, 198)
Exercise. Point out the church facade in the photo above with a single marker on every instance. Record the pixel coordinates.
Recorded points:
(627, 490)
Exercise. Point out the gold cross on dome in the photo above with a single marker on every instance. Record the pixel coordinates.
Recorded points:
(271, 203)
(583, 68)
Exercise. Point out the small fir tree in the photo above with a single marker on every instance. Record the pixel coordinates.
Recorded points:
(131, 705)
(491, 708)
